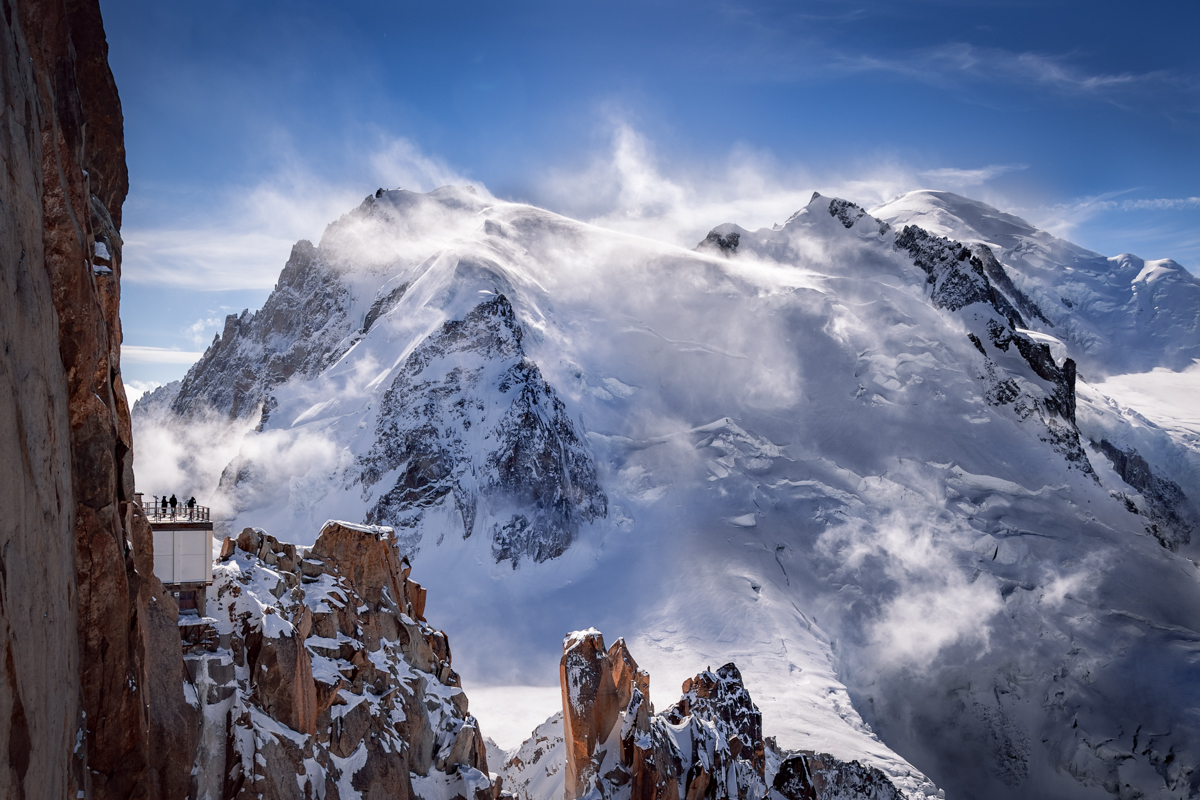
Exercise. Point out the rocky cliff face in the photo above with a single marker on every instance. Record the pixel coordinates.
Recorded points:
(608, 743)
(971, 283)
(91, 671)
(318, 676)
(296, 333)
(470, 417)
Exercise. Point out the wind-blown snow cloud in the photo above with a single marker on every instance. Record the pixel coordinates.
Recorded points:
(627, 188)
(245, 242)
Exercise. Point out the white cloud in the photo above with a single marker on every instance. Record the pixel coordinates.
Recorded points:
(135, 389)
(1063, 219)
(951, 178)
(245, 243)
(627, 188)
(199, 329)
(138, 354)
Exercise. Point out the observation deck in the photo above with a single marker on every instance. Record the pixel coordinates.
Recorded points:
(183, 557)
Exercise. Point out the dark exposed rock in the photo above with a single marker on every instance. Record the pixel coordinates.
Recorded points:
(382, 304)
(1001, 282)
(470, 382)
(1172, 516)
(850, 213)
(806, 775)
(726, 244)
(956, 280)
(845, 212)
(960, 277)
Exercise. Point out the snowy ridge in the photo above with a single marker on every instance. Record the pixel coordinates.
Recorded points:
(886, 498)
(1123, 314)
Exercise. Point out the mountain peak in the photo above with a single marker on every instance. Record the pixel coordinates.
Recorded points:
(949, 214)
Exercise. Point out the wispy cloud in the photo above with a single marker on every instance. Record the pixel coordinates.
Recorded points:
(951, 178)
(245, 242)
(1062, 219)
(199, 329)
(954, 63)
(135, 389)
(139, 354)
(1161, 204)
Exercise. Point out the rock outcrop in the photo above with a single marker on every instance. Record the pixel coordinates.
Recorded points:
(319, 677)
(608, 744)
(1171, 516)
(91, 668)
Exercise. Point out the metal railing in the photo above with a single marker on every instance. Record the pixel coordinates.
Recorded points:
(160, 510)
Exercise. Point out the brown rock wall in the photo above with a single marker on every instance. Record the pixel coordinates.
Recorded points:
(39, 696)
(90, 642)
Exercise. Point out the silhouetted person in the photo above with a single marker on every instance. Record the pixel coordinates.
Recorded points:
(191, 505)
(173, 503)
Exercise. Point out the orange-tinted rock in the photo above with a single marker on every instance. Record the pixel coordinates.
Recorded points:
(590, 707)
(708, 746)
(361, 688)
(626, 673)
(368, 557)
(414, 593)
(283, 681)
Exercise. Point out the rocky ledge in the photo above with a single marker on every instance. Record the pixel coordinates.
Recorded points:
(608, 744)
(318, 676)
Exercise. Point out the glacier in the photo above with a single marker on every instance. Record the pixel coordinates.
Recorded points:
(890, 462)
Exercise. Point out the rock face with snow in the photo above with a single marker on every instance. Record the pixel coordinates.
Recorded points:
(469, 417)
(320, 677)
(608, 742)
(296, 333)
(1123, 314)
(852, 454)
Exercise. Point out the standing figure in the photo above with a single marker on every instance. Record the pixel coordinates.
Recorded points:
(173, 503)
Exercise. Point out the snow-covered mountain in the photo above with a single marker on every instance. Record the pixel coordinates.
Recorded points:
(851, 453)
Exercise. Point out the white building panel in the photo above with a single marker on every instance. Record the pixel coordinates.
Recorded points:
(164, 556)
(183, 556)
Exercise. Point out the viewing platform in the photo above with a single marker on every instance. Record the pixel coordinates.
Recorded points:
(158, 511)
(183, 550)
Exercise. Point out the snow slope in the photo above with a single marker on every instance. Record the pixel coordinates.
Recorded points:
(846, 456)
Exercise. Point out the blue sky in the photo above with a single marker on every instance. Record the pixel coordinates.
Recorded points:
(251, 125)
